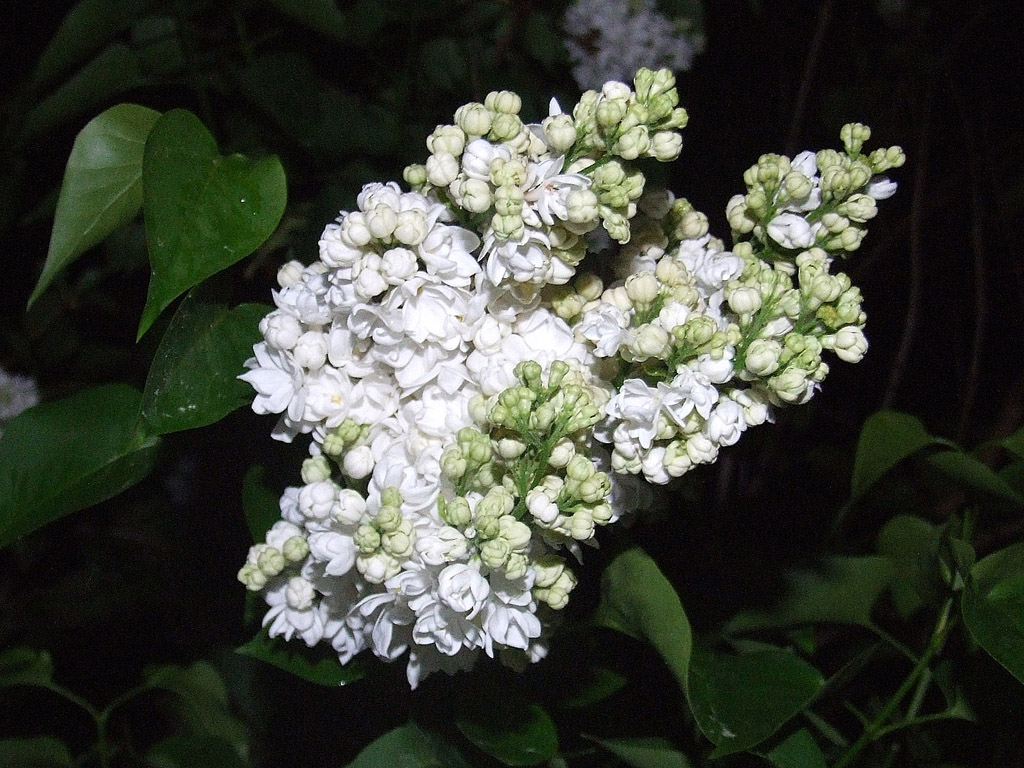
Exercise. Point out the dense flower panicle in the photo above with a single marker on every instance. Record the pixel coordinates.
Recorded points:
(17, 393)
(612, 39)
(477, 407)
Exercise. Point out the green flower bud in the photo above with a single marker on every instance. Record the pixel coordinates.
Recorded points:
(505, 127)
(295, 549)
(252, 577)
(456, 512)
(853, 136)
(515, 533)
(560, 132)
(367, 539)
(516, 566)
(447, 138)
(316, 469)
(474, 119)
(507, 227)
(859, 208)
(270, 561)
(415, 175)
(399, 542)
(762, 357)
(495, 553)
(453, 463)
(633, 143)
(505, 102)
(391, 497)
(388, 519)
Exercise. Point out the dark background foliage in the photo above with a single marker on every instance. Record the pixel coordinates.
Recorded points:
(150, 575)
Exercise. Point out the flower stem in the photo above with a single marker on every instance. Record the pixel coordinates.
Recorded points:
(935, 643)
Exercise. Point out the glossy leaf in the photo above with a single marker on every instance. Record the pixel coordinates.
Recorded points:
(86, 28)
(508, 728)
(38, 752)
(407, 746)
(194, 750)
(842, 591)
(193, 380)
(203, 211)
(645, 752)
(114, 70)
(203, 698)
(971, 473)
(638, 600)
(25, 666)
(65, 455)
(886, 439)
(308, 663)
(993, 607)
(262, 506)
(739, 701)
(799, 750)
(102, 187)
(600, 684)
(912, 544)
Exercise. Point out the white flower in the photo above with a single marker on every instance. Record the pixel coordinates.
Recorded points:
(17, 393)
(294, 610)
(276, 379)
(337, 550)
(791, 231)
(463, 589)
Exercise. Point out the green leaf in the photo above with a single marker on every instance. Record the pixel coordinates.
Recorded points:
(102, 187)
(739, 701)
(843, 591)
(912, 544)
(407, 747)
(204, 697)
(203, 211)
(308, 663)
(1014, 443)
(320, 15)
(193, 380)
(87, 27)
(638, 600)
(799, 750)
(886, 439)
(645, 752)
(507, 727)
(262, 506)
(62, 456)
(114, 71)
(600, 684)
(971, 473)
(25, 666)
(38, 752)
(195, 750)
(993, 607)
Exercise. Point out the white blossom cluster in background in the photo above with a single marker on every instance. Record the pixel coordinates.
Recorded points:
(478, 406)
(612, 39)
(17, 393)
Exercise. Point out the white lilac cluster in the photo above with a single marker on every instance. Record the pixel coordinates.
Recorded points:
(612, 39)
(460, 380)
(17, 393)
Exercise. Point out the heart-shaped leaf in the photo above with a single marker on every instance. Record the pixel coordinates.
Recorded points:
(843, 591)
(408, 746)
(799, 750)
(102, 187)
(887, 438)
(309, 664)
(87, 27)
(993, 607)
(65, 455)
(262, 507)
(508, 728)
(638, 600)
(644, 752)
(204, 211)
(193, 380)
(739, 701)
